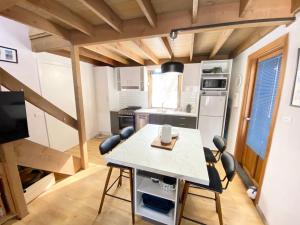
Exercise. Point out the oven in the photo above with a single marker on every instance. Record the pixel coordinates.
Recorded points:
(126, 121)
(214, 83)
(127, 117)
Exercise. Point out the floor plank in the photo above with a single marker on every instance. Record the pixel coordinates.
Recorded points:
(75, 200)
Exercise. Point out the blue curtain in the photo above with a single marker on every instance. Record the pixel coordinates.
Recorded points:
(263, 104)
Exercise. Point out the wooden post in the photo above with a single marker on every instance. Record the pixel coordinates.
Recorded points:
(79, 105)
(9, 162)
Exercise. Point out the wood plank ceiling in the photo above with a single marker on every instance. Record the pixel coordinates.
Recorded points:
(135, 32)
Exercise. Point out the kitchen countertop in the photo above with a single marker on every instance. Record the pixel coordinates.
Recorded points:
(166, 112)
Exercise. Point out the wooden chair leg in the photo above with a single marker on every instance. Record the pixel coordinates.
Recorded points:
(132, 196)
(120, 179)
(105, 189)
(219, 208)
(184, 197)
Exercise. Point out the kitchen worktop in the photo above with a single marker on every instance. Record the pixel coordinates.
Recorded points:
(166, 112)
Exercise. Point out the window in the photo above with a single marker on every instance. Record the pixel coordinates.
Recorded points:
(165, 90)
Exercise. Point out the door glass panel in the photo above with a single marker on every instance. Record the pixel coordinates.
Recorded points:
(263, 104)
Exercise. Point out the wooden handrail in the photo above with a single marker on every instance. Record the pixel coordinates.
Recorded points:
(11, 83)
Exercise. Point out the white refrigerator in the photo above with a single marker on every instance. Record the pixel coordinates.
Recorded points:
(211, 117)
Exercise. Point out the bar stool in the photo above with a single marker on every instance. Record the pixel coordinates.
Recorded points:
(126, 132)
(215, 185)
(106, 146)
(220, 144)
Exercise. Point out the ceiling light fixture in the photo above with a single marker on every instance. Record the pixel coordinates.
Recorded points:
(172, 66)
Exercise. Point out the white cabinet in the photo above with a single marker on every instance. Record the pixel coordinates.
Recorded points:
(131, 78)
(191, 77)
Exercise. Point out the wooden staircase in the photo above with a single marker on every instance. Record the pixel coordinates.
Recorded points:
(27, 153)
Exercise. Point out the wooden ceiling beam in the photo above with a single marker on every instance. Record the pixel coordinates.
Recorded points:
(209, 18)
(6, 4)
(93, 55)
(195, 10)
(244, 7)
(167, 45)
(49, 43)
(123, 50)
(192, 47)
(147, 51)
(30, 18)
(104, 12)
(258, 34)
(103, 51)
(148, 10)
(194, 18)
(295, 6)
(225, 34)
(64, 15)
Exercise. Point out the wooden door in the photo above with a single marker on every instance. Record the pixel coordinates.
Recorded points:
(263, 93)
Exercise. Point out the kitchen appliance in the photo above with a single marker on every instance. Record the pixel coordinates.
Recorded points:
(13, 120)
(214, 83)
(211, 116)
(126, 116)
(141, 120)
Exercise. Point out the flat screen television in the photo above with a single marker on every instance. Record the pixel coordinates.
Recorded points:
(13, 120)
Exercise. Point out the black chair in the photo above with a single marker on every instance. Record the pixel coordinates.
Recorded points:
(126, 132)
(215, 185)
(106, 146)
(220, 144)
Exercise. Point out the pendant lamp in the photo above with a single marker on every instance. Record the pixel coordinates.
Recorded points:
(172, 66)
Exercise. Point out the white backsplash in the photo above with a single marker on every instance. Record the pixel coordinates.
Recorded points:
(133, 98)
(190, 97)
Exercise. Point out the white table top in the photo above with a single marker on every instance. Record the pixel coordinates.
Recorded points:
(186, 161)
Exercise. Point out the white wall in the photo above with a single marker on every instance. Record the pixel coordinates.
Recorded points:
(280, 194)
(102, 77)
(15, 35)
(57, 86)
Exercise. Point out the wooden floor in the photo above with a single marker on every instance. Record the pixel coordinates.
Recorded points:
(75, 201)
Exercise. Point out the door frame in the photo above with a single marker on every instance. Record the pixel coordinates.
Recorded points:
(279, 44)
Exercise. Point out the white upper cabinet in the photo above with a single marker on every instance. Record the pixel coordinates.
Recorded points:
(131, 78)
(191, 77)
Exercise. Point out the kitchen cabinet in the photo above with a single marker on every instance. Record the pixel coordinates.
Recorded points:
(173, 120)
(191, 77)
(131, 78)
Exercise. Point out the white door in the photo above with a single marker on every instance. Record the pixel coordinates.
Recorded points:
(212, 105)
(210, 126)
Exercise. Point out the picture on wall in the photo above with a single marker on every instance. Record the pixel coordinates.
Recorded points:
(8, 54)
(296, 91)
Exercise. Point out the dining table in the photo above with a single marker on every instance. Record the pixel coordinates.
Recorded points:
(185, 162)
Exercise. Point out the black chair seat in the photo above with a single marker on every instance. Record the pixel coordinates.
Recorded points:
(214, 181)
(118, 166)
(209, 156)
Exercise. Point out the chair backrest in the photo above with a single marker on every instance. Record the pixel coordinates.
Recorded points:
(126, 132)
(229, 165)
(109, 143)
(220, 143)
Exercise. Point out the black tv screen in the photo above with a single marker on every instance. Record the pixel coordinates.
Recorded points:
(13, 120)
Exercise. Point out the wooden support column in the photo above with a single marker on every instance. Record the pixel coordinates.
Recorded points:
(79, 105)
(9, 162)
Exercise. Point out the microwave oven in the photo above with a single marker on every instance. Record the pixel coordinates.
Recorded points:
(215, 83)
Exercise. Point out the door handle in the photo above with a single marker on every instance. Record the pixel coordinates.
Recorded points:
(248, 118)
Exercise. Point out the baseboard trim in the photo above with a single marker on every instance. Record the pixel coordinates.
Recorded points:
(262, 215)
